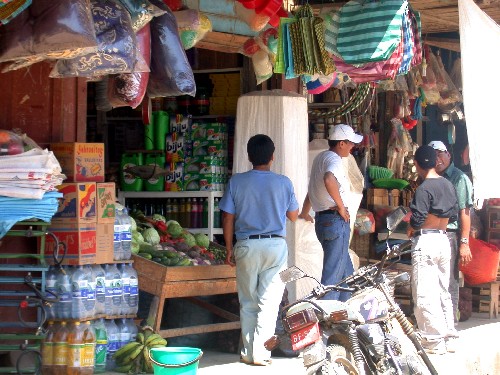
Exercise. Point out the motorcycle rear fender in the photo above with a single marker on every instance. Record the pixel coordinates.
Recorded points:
(329, 306)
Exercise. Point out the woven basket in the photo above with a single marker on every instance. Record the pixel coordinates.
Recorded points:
(360, 244)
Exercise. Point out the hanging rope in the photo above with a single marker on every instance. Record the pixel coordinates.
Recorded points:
(354, 101)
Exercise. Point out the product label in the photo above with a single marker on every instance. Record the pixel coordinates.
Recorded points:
(117, 291)
(80, 289)
(100, 352)
(60, 353)
(100, 289)
(134, 286)
(75, 355)
(109, 288)
(48, 353)
(88, 354)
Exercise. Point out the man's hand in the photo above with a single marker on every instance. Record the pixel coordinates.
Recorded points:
(306, 216)
(465, 254)
(344, 213)
(229, 258)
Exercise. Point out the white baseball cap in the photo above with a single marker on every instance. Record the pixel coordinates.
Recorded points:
(438, 145)
(343, 132)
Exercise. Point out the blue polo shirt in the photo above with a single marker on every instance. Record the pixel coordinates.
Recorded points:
(259, 200)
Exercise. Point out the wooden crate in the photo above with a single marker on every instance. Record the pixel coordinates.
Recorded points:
(383, 197)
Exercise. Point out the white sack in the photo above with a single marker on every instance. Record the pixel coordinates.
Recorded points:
(477, 35)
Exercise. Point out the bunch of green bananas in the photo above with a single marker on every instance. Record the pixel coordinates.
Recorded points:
(133, 357)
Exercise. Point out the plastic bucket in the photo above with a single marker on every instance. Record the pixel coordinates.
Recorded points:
(175, 360)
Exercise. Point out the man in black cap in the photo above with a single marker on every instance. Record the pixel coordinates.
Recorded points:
(433, 204)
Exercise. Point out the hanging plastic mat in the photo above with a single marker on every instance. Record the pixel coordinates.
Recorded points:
(283, 41)
(10, 10)
(370, 31)
(354, 102)
(308, 44)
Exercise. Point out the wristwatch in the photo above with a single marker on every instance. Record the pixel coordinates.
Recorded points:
(464, 240)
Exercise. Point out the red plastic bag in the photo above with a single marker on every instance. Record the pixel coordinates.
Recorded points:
(484, 265)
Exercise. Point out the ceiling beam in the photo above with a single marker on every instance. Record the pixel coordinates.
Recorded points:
(446, 43)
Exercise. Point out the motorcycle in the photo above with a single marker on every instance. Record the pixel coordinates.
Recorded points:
(367, 334)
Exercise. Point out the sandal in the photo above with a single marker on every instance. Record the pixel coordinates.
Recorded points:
(265, 362)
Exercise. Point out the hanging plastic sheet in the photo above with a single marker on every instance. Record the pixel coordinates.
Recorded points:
(476, 29)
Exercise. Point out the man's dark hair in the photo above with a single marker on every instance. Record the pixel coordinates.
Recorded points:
(260, 149)
(333, 143)
(426, 157)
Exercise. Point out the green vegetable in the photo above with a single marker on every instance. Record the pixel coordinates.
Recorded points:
(134, 247)
(133, 224)
(202, 240)
(172, 221)
(175, 230)
(151, 236)
(137, 236)
(158, 217)
(188, 239)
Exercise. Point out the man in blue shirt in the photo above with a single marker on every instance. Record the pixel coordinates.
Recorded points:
(255, 207)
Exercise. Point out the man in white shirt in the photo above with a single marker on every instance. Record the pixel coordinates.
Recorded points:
(327, 194)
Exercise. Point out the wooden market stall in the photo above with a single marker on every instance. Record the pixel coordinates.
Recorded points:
(186, 282)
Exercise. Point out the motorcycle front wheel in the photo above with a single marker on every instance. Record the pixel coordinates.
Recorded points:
(339, 361)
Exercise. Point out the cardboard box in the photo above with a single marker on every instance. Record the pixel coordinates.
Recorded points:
(78, 204)
(104, 243)
(79, 241)
(80, 162)
(174, 180)
(105, 202)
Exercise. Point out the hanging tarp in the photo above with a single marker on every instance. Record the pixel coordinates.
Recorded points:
(477, 30)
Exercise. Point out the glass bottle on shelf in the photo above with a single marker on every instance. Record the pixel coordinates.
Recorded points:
(187, 216)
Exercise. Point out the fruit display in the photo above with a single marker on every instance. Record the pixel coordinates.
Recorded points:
(166, 242)
(133, 358)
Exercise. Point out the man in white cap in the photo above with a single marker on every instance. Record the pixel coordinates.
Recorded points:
(457, 231)
(327, 194)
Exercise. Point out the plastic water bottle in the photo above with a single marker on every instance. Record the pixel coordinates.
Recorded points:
(123, 332)
(114, 289)
(132, 327)
(101, 347)
(48, 350)
(60, 349)
(112, 334)
(122, 267)
(75, 349)
(117, 241)
(80, 289)
(126, 235)
(91, 296)
(134, 291)
(89, 343)
(100, 289)
(51, 291)
(63, 286)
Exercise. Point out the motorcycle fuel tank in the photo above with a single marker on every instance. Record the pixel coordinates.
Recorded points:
(371, 304)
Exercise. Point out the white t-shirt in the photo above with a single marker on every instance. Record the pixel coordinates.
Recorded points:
(327, 161)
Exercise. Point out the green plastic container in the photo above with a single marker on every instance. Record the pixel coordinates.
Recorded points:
(162, 121)
(175, 360)
(149, 133)
(155, 183)
(128, 181)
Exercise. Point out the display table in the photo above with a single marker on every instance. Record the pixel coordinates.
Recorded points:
(191, 281)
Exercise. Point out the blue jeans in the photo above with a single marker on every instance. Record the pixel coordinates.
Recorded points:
(333, 234)
(260, 289)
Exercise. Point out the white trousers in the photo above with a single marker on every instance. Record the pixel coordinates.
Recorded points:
(430, 280)
(260, 289)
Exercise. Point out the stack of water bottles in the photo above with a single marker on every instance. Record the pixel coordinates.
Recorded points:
(91, 293)
(122, 240)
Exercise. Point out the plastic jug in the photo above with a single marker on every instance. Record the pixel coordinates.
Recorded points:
(89, 343)
(155, 183)
(63, 286)
(48, 350)
(80, 288)
(161, 128)
(91, 296)
(101, 347)
(128, 181)
(100, 291)
(112, 334)
(60, 349)
(75, 349)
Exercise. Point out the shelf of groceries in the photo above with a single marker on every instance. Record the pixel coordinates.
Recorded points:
(213, 219)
